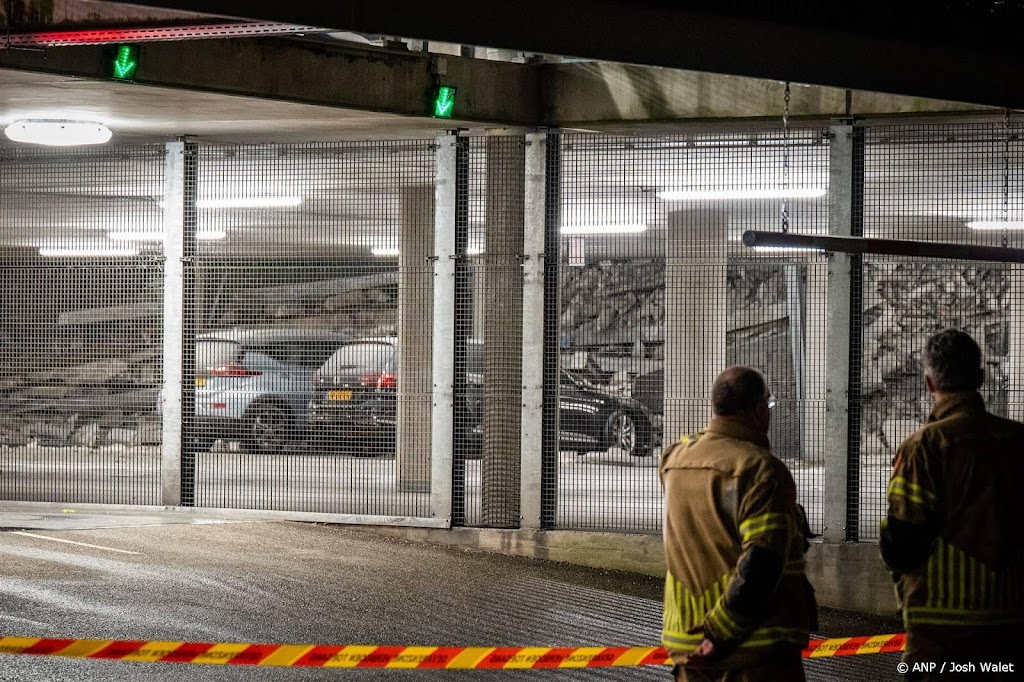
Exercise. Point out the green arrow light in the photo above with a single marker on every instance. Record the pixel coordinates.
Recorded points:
(444, 101)
(125, 62)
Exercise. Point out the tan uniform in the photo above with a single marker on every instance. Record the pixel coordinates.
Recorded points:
(952, 535)
(731, 521)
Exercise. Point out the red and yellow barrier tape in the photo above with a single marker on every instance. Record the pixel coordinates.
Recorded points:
(358, 656)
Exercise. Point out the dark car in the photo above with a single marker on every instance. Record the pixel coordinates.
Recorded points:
(354, 405)
(254, 385)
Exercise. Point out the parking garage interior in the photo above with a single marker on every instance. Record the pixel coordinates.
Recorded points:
(533, 308)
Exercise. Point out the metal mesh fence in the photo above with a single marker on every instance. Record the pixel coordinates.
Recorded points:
(658, 296)
(308, 325)
(933, 183)
(492, 297)
(312, 307)
(81, 333)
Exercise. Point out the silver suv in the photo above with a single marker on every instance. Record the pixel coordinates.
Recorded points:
(254, 385)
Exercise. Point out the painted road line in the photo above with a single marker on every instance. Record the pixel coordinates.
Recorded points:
(72, 542)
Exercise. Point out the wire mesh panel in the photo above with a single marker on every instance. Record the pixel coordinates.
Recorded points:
(658, 296)
(81, 324)
(488, 447)
(950, 183)
(312, 305)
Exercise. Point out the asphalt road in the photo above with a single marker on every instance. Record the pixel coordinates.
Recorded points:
(175, 577)
(606, 490)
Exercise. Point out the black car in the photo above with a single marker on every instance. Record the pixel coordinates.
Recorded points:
(354, 405)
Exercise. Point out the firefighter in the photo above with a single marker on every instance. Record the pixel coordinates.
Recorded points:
(952, 535)
(738, 605)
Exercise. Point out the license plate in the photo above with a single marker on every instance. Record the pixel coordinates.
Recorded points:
(339, 395)
(200, 382)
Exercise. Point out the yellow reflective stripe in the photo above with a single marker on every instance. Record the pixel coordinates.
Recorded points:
(726, 617)
(950, 578)
(912, 491)
(762, 524)
(963, 580)
(681, 639)
(770, 636)
(946, 616)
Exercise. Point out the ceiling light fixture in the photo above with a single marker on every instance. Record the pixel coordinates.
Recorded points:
(57, 133)
(996, 224)
(384, 251)
(607, 228)
(253, 202)
(201, 235)
(85, 252)
(742, 193)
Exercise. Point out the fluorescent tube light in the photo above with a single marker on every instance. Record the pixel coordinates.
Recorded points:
(607, 228)
(252, 202)
(749, 193)
(996, 224)
(202, 235)
(384, 250)
(57, 133)
(85, 251)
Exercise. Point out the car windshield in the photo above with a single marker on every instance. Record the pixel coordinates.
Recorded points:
(359, 357)
(215, 353)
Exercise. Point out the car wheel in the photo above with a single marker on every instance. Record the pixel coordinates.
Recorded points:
(627, 433)
(270, 428)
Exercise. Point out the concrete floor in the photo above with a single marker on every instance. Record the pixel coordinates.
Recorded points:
(186, 576)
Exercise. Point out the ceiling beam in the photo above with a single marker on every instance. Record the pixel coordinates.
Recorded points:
(674, 35)
(361, 79)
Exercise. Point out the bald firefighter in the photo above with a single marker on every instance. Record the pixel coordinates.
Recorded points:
(952, 535)
(738, 606)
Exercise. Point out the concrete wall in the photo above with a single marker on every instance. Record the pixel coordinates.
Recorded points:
(845, 576)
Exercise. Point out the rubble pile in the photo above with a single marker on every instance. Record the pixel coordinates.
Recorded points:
(904, 303)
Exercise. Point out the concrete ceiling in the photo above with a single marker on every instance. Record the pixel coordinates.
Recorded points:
(144, 113)
(353, 195)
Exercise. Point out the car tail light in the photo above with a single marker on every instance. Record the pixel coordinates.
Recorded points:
(234, 371)
(378, 380)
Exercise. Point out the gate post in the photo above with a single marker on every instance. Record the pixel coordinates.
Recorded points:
(443, 372)
(837, 342)
(532, 434)
(177, 398)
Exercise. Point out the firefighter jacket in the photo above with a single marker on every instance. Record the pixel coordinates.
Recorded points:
(734, 548)
(952, 532)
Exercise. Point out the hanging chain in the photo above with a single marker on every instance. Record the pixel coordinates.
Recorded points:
(1006, 175)
(785, 160)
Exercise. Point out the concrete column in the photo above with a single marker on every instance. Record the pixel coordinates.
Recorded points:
(1015, 390)
(443, 412)
(532, 438)
(695, 317)
(837, 340)
(415, 338)
(503, 336)
(171, 391)
(815, 360)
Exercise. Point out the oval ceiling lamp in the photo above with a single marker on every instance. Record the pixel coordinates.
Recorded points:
(58, 133)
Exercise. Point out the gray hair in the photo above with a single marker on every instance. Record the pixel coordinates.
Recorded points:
(953, 361)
